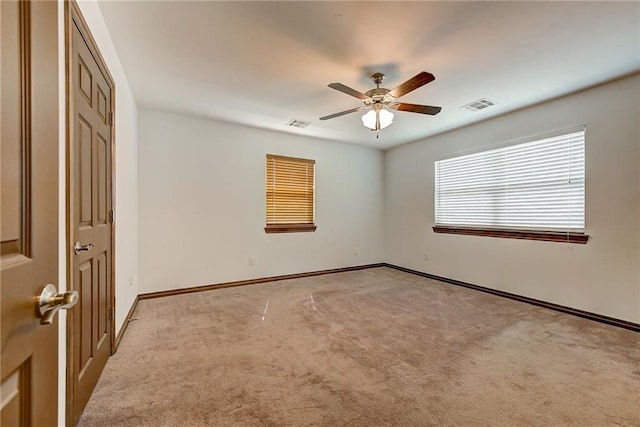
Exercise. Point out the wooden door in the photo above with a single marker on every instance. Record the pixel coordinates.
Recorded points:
(29, 214)
(90, 212)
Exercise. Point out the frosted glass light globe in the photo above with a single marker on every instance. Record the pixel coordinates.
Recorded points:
(386, 118)
(369, 119)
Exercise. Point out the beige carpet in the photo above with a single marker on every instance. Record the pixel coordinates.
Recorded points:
(366, 348)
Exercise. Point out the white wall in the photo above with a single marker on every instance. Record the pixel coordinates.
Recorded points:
(602, 276)
(126, 197)
(202, 196)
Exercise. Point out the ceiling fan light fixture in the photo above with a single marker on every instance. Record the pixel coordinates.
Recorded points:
(385, 119)
(376, 99)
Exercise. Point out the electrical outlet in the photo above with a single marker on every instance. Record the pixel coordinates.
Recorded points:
(426, 256)
(252, 260)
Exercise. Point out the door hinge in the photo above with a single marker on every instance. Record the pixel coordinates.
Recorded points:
(112, 216)
(110, 119)
(113, 313)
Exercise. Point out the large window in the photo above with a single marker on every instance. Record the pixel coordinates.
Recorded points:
(528, 190)
(290, 194)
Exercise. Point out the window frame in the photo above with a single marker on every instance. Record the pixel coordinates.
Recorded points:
(551, 235)
(289, 227)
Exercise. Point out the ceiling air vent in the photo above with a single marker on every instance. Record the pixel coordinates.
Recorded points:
(478, 105)
(298, 123)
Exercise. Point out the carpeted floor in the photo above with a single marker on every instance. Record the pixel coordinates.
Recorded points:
(365, 348)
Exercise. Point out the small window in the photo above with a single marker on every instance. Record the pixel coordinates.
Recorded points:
(290, 194)
(531, 190)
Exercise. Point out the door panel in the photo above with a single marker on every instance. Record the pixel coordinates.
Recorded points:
(101, 301)
(102, 180)
(11, 208)
(84, 315)
(84, 168)
(90, 204)
(14, 396)
(29, 221)
(85, 84)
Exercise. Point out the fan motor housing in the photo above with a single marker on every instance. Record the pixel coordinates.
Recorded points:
(380, 95)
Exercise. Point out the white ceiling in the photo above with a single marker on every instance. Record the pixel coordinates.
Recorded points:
(264, 63)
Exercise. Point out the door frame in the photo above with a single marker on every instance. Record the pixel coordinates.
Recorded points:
(73, 16)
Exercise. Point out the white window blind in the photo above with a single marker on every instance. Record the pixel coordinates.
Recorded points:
(537, 185)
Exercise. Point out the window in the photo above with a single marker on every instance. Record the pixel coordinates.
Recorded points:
(531, 190)
(290, 194)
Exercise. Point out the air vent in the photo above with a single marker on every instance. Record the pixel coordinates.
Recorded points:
(298, 123)
(478, 105)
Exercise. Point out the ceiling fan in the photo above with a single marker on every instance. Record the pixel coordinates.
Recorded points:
(376, 99)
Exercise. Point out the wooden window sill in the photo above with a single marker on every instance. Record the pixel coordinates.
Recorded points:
(289, 228)
(548, 236)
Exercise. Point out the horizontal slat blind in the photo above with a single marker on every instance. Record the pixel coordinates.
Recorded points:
(538, 185)
(290, 190)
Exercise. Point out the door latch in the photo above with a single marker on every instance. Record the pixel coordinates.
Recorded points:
(79, 248)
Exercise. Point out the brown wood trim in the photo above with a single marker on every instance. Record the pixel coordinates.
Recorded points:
(10, 247)
(111, 217)
(278, 156)
(70, 358)
(547, 236)
(289, 228)
(549, 305)
(25, 122)
(203, 288)
(125, 324)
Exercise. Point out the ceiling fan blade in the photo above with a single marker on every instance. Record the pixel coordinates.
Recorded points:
(346, 89)
(414, 108)
(413, 83)
(342, 113)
